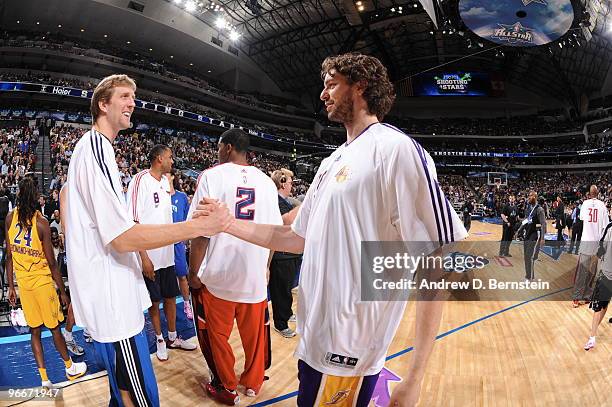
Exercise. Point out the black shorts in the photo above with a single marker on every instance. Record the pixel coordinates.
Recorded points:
(602, 293)
(164, 286)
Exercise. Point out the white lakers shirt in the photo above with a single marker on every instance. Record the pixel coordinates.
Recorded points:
(381, 187)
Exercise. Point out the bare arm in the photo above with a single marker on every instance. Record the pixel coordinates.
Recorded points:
(290, 216)
(199, 246)
(273, 237)
(44, 233)
(8, 261)
(145, 237)
(63, 208)
(148, 269)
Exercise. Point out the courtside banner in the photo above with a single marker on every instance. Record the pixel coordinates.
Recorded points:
(468, 271)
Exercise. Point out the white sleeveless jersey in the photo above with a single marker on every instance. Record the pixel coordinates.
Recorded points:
(381, 187)
(233, 269)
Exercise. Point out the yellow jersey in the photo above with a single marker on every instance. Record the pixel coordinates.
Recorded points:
(29, 261)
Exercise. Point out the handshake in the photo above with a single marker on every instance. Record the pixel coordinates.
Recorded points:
(212, 217)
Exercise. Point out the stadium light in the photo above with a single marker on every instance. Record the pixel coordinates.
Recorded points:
(220, 23)
(190, 6)
(233, 35)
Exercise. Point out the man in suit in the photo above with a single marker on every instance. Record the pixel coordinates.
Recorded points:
(560, 220)
(576, 228)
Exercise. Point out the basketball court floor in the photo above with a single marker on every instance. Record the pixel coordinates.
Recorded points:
(489, 352)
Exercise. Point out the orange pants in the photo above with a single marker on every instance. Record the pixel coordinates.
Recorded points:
(220, 315)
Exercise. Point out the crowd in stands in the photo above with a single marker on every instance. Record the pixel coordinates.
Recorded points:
(500, 126)
(132, 148)
(571, 187)
(17, 156)
(105, 51)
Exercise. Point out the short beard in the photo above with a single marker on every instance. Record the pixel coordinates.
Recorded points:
(344, 110)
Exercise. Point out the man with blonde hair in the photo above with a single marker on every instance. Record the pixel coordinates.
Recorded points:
(107, 287)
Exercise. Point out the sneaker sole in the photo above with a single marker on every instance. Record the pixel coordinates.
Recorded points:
(71, 378)
(169, 346)
(285, 336)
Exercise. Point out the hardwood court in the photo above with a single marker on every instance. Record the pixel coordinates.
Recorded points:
(496, 353)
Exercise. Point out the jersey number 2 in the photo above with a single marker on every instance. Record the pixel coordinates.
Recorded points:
(248, 198)
(27, 237)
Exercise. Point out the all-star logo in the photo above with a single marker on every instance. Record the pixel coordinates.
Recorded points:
(514, 33)
(528, 2)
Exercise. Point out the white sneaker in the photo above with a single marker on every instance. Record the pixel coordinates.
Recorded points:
(250, 393)
(180, 343)
(77, 370)
(590, 344)
(292, 318)
(74, 348)
(46, 384)
(162, 352)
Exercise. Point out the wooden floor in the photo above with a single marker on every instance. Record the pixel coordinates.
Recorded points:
(528, 355)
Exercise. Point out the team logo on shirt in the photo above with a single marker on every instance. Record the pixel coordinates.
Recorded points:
(346, 362)
(339, 397)
(343, 174)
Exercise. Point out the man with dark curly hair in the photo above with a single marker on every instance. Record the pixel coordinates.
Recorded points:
(378, 186)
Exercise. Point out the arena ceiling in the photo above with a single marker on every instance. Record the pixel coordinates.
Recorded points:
(289, 39)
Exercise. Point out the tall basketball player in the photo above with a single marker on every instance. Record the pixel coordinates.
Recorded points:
(232, 273)
(29, 254)
(378, 186)
(107, 287)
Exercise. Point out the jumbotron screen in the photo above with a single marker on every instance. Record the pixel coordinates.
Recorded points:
(452, 84)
